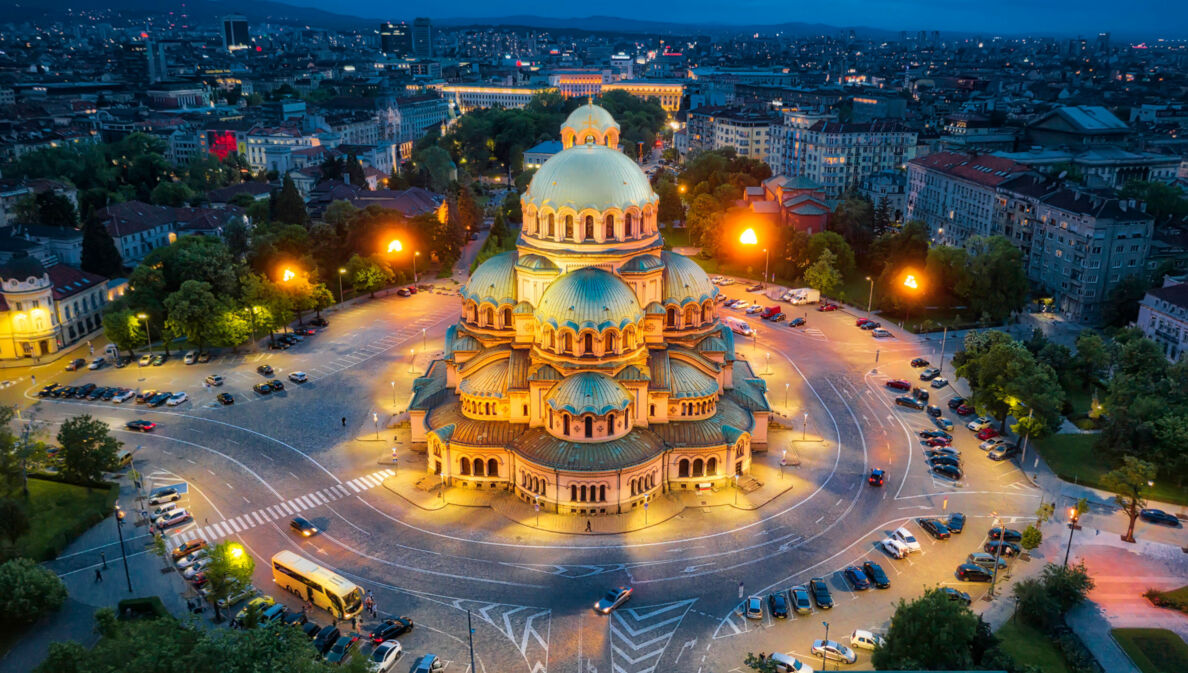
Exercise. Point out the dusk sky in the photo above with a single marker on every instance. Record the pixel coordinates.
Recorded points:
(1147, 18)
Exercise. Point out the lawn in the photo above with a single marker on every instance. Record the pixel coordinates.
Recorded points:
(1175, 599)
(1073, 458)
(58, 513)
(1027, 645)
(1154, 650)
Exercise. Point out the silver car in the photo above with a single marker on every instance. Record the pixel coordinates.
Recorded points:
(834, 650)
(613, 599)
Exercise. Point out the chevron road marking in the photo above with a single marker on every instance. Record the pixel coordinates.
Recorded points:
(640, 635)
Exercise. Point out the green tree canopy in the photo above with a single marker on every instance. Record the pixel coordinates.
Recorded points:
(28, 592)
(88, 449)
(914, 641)
(823, 275)
(1130, 482)
(994, 284)
(99, 253)
(843, 255)
(289, 207)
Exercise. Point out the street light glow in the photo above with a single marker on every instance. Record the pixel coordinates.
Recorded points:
(287, 276)
(749, 238)
(909, 281)
(395, 246)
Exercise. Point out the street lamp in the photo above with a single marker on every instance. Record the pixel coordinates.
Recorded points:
(375, 419)
(912, 283)
(786, 387)
(424, 336)
(870, 295)
(1073, 517)
(123, 552)
(415, 256)
(395, 246)
(783, 461)
(341, 272)
(148, 334)
(393, 396)
(997, 550)
(825, 664)
(749, 237)
(804, 428)
(288, 275)
(412, 361)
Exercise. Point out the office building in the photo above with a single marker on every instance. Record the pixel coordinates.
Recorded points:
(1163, 317)
(839, 155)
(395, 39)
(422, 38)
(235, 32)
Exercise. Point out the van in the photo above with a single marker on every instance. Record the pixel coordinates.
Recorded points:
(125, 458)
(784, 663)
(738, 326)
(865, 640)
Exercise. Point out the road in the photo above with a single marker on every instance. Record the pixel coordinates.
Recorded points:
(251, 466)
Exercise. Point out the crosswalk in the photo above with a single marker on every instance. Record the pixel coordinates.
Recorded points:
(284, 510)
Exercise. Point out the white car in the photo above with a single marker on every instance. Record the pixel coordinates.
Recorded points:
(755, 308)
(834, 650)
(907, 539)
(162, 497)
(97, 363)
(938, 382)
(173, 518)
(866, 640)
(894, 548)
(190, 559)
(991, 443)
(788, 664)
(177, 399)
(165, 509)
(196, 567)
(298, 377)
(123, 396)
(978, 424)
(880, 333)
(384, 656)
(740, 305)
(214, 380)
(237, 596)
(190, 358)
(753, 608)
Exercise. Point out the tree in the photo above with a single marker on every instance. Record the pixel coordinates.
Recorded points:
(122, 328)
(192, 310)
(88, 449)
(882, 218)
(995, 283)
(266, 305)
(854, 220)
(230, 569)
(1006, 379)
(915, 643)
(1122, 303)
(321, 298)
(834, 243)
(438, 167)
(27, 592)
(290, 207)
(354, 172)
(229, 328)
(14, 519)
(339, 214)
(367, 275)
(1130, 483)
(48, 209)
(946, 268)
(1043, 601)
(1091, 358)
(171, 194)
(1162, 200)
(670, 208)
(822, 275)
(99, 253)
(1032, 537)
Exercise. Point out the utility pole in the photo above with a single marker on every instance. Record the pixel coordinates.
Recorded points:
(471, 630)
(124, 552)
(1073, 515)
(824, 663)
(945, 335)
(997, 551)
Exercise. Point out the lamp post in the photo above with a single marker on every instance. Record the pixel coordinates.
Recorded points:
(783, 461)
(415, 256)
(825, 664)
(148, 334)
(412, 360)
(1073, 516)
(786, 387)
(804, 428)
(997, 551)
(767, 366)
(736, 490)
(766, 263)
(393, 396)
(375, 419)
(870, 295)
(341, 273)
(424, 343)
(123, 552)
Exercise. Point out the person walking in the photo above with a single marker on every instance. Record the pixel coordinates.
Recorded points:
(344, 421)
(103, 556)
(588, 529)
(98, 575)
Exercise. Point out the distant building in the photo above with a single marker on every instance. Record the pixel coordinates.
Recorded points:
(889, 186)
(868, 107)
(973, 132)
(747, 129)
(467, 97)
(1163, 317)
(43, 310)
(422, 38)
(395, 39)
(955, 195)
(667, 93)
(1105, 166)
(1082, 126)
(839, 155)
(540, 153)
(235, 32)
(578, 83)
(797, 203)
(415, 117)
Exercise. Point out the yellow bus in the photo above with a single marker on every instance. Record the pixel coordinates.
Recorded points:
(312, 582)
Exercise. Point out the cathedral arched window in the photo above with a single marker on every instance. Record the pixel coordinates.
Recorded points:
(711, 467)
(464, 466)
(488, 317)
(587, 343)
(670, 317)
(602, 493)
(566, 342)
(492, 467)
(552, 226)
(478, 467)
(569, 226)
(573, 493)
(683, 468)
(589, 427)
(589, 232)
(565, 424)
(610, 422)
(627, 226)
(609, 233)
(698, 467)
(505, 317)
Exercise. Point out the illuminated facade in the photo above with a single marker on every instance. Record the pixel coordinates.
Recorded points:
(589, 371)
(467, 97)
(668, 94)
(44, 310)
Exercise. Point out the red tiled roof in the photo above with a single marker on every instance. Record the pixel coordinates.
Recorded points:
(68, 281)
(984, 169)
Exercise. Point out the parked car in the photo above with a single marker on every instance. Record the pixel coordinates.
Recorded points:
(1003, 451)
(991, 443)
(1151, 515)
(861, 321)
(919, 362)
(987, 433)
(188, 548)
(946, 471)
(141, 425)
(866, 640)
(264, 370)
(258, 604)
(800, 600)
(225, 398)
(428, 663)
(325, 638)
(298, 377)
(820, 591)
(894, 548)
(276, 385)
(834, 650)
(934, 528)
(898, 384)
(856, 578)
(160, 359)
(943, 423)
(215, 380)
(163, 496)
(145, 360)
(978, 424)
(944, 459)
(970, 572)
(391, 628)
(987, 561)
(190, 358)
(177, 398)
(920, 394)
(1007, 548)
(933, 410)
(97, 363)
(874, 573)
(319, 322)
(955, 595)
(384, 656)
(75, 364)
(796, 322)
(341, 650)
(929, 434)
(753, 608)
(929, 374)
(1008, 534)
(905, 536)
(174, 518)
(939, 382)
(870, 326)
(777, 604)
(826, 306)
(964, 410)
(613, 599)
(910, 402)
(204, 357)
(956, 523)
(264, 388)
(880, 333)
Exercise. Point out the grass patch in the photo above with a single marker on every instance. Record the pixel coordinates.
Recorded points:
(1073, 458)
(58, 513)
(1027, 645)
(676, 237)
(1176, 599)
(1153, 650)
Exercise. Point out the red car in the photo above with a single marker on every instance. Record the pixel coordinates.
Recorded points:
(987, 433)
(861, 321)
(876, 477)
(769, 312)
(936, 441)
(899, 384)
(827, 307)
(964, 410)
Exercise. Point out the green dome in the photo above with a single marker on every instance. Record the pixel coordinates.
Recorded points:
(684, 281)
(588, 297)
(494, 281)
(588, 393)
(590, 116)
(589, 176)
(641, 264)
(535, 263)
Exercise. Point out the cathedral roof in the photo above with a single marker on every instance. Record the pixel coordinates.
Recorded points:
(589, 176)
(494, 281)
(588, 393)
(636, 447)
(685, 380)
(642, 264)
(590, 116)
(588, 297)
(684, 281)
(536, 263)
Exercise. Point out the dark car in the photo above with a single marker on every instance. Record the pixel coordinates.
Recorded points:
(820, 591)
(936, 434)
(933, 411)
(969, 572)
(920, 394)
(1008, 548)
(1009, 534)
(276, 385)
(919, 362)
(341, 650)
(325, 638)
(956, 523)
(874, 573)
(303, 527)
(796, 322)
(876, 477)
(320, 322)
(934, 528)
(986, 561)
(955, 595)
(777, 604)
(964, 410)
(159, 399)
(110, 393)
(940, 458)
(262, 388)
(1160, 517)
(947, 471)
(1003, 451)
(856, 578)
(898, 384)
(46, 391)
(75, 364)
(929, 374)
(311, 629)
(160, 359)
(910, 402)
(225, 398)
(956, 402)
(264, 370)
(141, 425)
(204, 357)
(391, 628)
(305, 331)
(870, 325)
(801, 601)
(295, 619)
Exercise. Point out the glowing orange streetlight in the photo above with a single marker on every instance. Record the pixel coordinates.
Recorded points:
(288, 275)
(395, 246)
(909, 281)
(913, 283)
(682, 189)
(750, 238)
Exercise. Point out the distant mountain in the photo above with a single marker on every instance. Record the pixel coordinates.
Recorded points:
(195, 11)
(621, 25)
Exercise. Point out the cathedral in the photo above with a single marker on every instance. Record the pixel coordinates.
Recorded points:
(589, 371)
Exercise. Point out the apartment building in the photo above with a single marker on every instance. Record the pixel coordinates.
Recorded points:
(1163, 317)
(956, 195)
(839, 155)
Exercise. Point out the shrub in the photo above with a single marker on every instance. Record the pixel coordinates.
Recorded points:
(28, 591)
(1031, 538)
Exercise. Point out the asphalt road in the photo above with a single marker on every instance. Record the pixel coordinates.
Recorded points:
(251, 465)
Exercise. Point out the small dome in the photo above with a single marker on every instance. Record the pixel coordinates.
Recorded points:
(589, 176)
(21, 267)
(588, 297)
(590, 116)
(642, 264)
(684, 281)
(588, 393)
(536, 263)
(494, 281)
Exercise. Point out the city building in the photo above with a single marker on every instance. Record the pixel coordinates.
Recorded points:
(797, 203)
(1101, 167)
(43, 310)
(414, 117)
(1078, 127)
(535, 157)
(589, 371)
(578, 83)
(467, 97)
(395, 39)
(747, 129)
(839, 155)
(422, 38)
(956, 195)
(889, 187)
(667, 93)
(1163, 317)
(235, 32)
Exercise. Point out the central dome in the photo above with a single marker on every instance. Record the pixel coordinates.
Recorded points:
(588, 297)
(588, 393)
(590, 176)
(590, 116)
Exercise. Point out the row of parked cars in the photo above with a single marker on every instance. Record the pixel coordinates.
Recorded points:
(115, 394)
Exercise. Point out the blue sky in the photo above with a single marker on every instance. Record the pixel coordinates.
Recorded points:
(1145, 18)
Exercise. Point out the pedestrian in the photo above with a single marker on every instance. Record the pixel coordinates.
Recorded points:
(103, 556)
(98, 576)
(374, 610)
(588, 529)
(344, 421)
